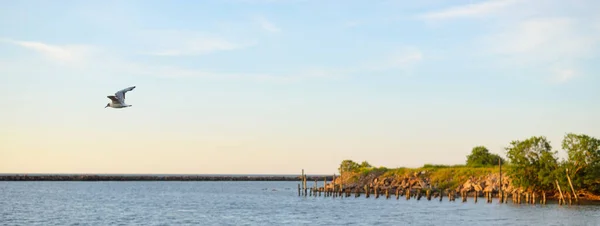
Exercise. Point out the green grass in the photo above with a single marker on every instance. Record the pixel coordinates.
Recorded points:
(445, 176)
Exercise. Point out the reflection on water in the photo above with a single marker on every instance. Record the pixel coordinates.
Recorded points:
(253, 203)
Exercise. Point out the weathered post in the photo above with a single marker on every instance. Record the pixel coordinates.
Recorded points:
(428, 194)
(317, 191)
(501, 193)
(298, 189)
(387, 193)
(376, 191)
(408, 194)
(475, 194)
(333, 181)
(441, 194)
(305, 187)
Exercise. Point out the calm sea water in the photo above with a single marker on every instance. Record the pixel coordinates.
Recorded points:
(252, 203)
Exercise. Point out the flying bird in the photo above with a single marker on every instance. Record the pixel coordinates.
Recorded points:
(118, 100)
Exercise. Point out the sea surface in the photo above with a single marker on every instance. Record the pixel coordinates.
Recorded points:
(253, 203)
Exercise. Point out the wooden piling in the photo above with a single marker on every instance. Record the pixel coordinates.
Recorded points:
(428, 194)
(397, 193)
(475, 194)
(408, 194)
(333, 182)
(441, 194)
(501, 196)
(500, 191)
(298, 189)
(387, 193)
(376, 192)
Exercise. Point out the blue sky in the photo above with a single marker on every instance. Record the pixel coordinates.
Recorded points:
(274, 86)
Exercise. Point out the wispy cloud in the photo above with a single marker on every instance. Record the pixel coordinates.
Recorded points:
(542, 35)
(60, 53)
(561, 42)
(564, 75)
(197, 46)
(167, 71)
(267, 25)
(106, 63)
(469, 10)
(398, 60)
(187, 43)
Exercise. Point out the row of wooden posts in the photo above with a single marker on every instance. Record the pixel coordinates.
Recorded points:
(339, 191)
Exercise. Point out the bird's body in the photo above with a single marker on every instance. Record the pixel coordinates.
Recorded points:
(118, 100)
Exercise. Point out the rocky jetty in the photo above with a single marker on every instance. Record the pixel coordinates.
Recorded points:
(25, 177)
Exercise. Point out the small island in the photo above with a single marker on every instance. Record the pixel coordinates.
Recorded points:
(530, 173)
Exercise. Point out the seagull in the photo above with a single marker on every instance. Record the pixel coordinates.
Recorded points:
(118, 100)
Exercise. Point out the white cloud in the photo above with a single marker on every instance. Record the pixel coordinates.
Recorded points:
(560, 42)
(555, 36)
(60, 53)
(166, 71)
(564, 75)
(470, 10)
(197, 46)
(185, 43)
(267, 25)
(402, 59)
(539, 35)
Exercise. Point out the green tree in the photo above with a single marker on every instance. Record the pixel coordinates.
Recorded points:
(534, 164)
(365, 164)
(584, 160)
(481, 156)
(348, 166)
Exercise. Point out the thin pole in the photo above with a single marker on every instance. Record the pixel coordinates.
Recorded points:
(501, 194)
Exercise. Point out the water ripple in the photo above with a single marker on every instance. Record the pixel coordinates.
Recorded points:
(251, 203)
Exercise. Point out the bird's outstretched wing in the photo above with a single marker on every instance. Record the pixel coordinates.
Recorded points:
(114, 99)
(121, 94)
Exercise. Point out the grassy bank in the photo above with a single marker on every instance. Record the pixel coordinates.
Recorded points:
(436, 176)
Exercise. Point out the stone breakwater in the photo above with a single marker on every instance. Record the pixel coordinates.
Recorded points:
(153, 178)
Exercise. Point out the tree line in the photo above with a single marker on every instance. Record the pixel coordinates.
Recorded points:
(533, 165)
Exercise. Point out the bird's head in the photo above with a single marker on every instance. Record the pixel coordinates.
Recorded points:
(107, 105)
